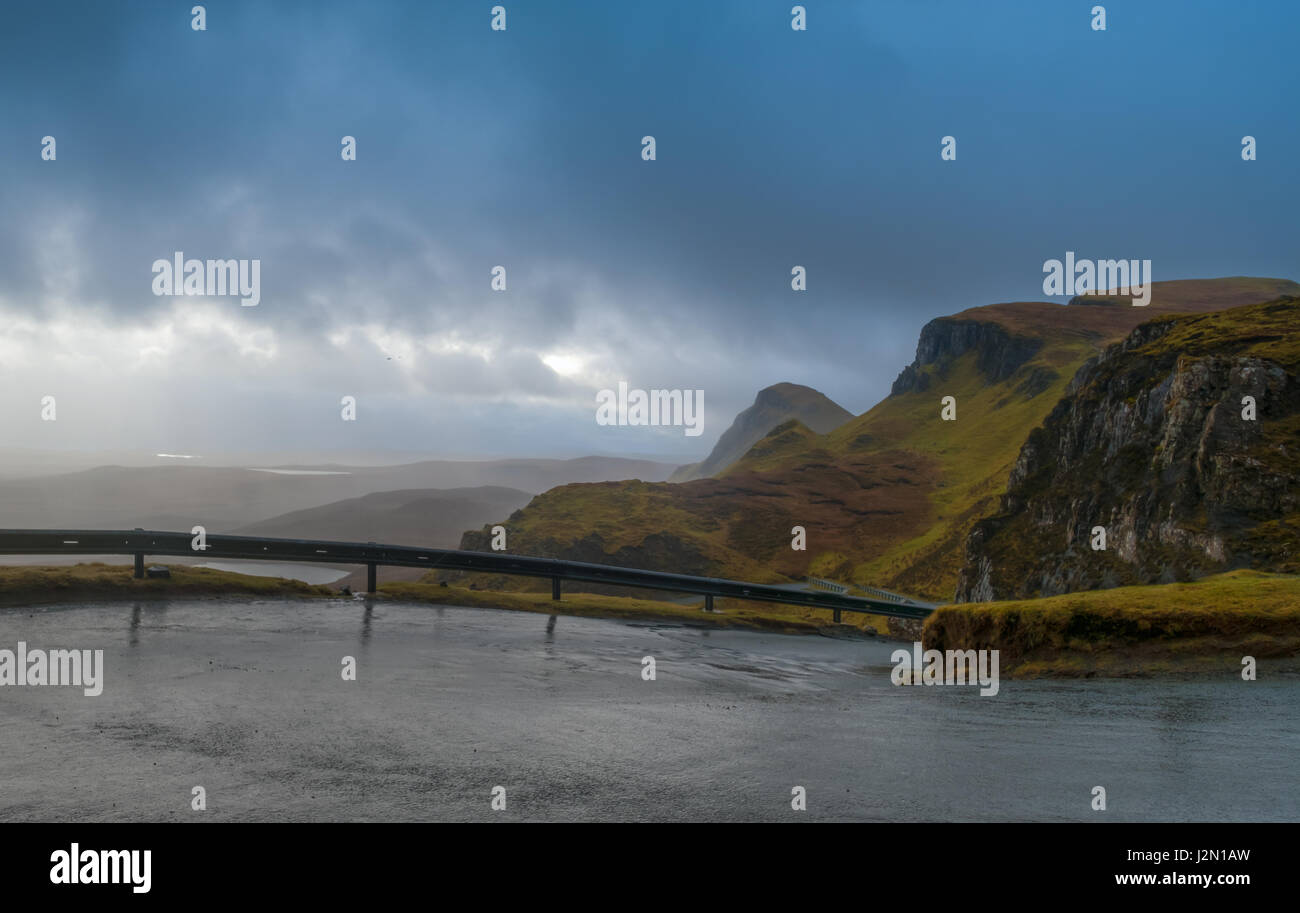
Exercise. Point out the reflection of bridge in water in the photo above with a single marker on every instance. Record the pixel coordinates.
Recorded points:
(139, 543)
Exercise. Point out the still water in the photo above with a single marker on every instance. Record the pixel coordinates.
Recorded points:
(246, 699)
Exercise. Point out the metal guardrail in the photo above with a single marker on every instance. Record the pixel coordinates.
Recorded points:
(885, 594)
(820, 583)
(141, 542)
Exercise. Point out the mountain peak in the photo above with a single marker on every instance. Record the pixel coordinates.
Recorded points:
(787, 392)
(773, 406)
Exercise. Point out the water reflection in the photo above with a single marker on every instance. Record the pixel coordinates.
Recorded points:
(367, 616)
(1178, 717)
(136, 620)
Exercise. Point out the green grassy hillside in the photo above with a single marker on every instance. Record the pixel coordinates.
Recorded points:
(889, 497)
(1207, 625)
(22, 586)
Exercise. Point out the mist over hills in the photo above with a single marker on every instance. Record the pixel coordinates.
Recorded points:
(227, 499)
(433, 518)
(896, 497)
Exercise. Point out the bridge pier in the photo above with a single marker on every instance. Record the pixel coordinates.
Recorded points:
(139, 565)
(371, 578)
(708, 602)
(837, 615)
(555, 587)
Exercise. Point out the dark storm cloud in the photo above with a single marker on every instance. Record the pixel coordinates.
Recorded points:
(522, 149)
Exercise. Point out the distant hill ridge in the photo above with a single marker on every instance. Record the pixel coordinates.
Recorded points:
(223, 499)
(432, 518)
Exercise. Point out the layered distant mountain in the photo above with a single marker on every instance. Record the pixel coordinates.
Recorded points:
(774, 405)
(421, 517)
(887, 498)
(226, 499)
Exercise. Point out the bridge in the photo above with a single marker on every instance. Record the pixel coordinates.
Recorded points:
(140, 542)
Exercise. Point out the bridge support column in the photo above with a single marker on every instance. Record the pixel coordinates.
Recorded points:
(371, 575)
(555, 587)
(837, 615)
(708, 602)
(139, 565)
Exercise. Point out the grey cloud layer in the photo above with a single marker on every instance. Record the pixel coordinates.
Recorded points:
(522, 149)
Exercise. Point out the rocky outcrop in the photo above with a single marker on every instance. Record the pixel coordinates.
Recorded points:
(1153, 444)
(774, 405)
(999, 353)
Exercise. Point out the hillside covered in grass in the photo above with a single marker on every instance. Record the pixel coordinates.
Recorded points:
(1204, 626)
(22, 586)
(887, 498)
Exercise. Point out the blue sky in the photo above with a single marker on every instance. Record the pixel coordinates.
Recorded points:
(522, 148)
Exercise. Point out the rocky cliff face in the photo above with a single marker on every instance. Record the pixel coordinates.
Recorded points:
(999, 353)
(1151, 443)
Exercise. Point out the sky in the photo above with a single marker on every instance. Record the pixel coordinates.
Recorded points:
(522, 148)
